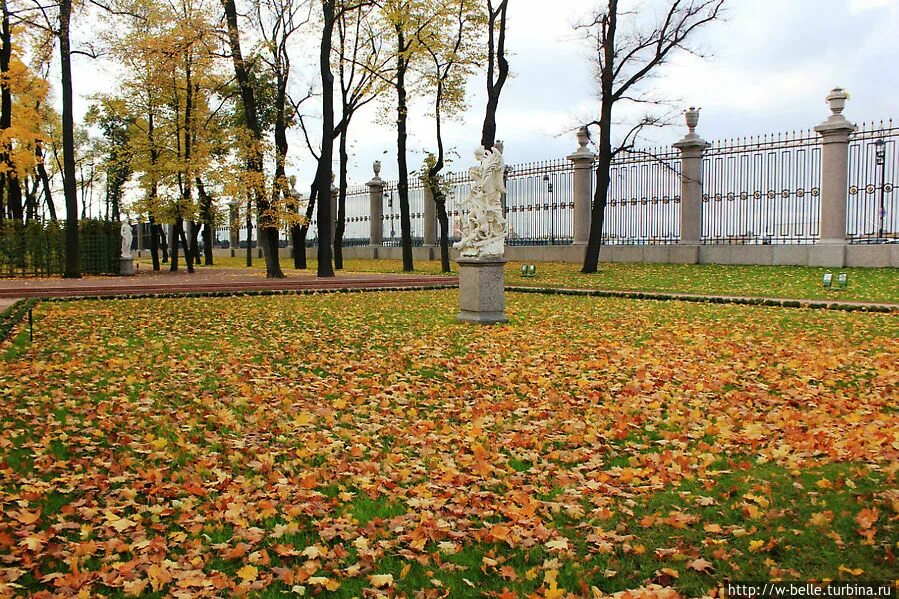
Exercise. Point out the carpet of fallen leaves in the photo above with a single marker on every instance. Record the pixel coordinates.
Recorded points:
(368, 445)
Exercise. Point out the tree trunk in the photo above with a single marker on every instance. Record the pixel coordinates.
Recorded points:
(207, 218)
(341, 200)
(268, 221)
(164, 243)
(443, 221)
(73, 262)
(194, 242)
(433, 181)
(300, 232)
(188, 252)
(496, 53)
(607, 82)
(402, 65)
(175, 250)
(185, 174)
(157, 235)
(249, 234)
(45, 180)
(13, 186)
(598, 214)
(154, 243)
(324, 172)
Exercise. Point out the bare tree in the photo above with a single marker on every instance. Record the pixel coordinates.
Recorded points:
(497, 67)
(452, 45)
(278, 22)
(268, 233)
(361, 63)
(626, 57)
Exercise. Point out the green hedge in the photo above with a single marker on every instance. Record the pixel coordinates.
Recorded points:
(38, 249)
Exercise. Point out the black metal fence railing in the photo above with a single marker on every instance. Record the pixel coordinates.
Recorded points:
(872, 210)
(357, 229)
(762, 190)
(643, 204)
(757, 190)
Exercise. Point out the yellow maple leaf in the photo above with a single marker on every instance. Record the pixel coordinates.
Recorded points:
(820, 519)
(248, 573)
(380, 581)
(867, 517)
(558, 544)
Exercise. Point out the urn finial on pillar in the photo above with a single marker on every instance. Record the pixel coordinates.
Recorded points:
(583, 138)
(376, 166)
(692, 118)
(837, 100)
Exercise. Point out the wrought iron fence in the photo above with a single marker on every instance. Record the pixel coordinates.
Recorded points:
(756, 190)
(872, 211)
(762, 190)
(643, 203)
(357, 230)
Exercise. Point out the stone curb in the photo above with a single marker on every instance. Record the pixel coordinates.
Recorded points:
(711, 299)
(14, 314)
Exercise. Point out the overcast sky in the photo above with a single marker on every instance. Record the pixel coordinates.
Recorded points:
(772, 63)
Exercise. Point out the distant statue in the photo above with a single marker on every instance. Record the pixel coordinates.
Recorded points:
(127, 237)
(484, 228)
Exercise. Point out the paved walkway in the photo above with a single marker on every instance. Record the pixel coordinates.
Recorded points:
(206, 279)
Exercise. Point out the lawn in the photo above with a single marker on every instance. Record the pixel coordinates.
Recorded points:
(795, 282)
(329, 444)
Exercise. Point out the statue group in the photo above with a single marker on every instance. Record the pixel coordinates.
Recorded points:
(484, 227)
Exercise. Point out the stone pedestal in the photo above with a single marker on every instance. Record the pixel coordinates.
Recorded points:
(482, 290)
(829, 253)
(126, 266)
(429, 216)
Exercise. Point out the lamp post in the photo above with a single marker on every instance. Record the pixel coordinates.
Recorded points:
(880, 160)
(552, 210)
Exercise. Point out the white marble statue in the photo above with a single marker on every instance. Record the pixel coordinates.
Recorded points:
(126, 239)
(484, 228)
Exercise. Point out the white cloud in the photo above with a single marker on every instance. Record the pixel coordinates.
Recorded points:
(857, 6)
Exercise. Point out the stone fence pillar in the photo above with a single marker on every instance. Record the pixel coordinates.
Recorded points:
(834, 132)
(692, 148)
(376, 206)
(583, 197)
(429, 216)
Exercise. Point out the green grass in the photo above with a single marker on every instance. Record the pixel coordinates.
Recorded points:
(796, 282)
